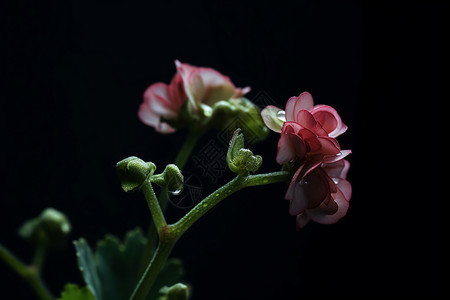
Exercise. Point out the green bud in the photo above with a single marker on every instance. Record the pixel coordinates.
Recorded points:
(171, 178)
(241, 160)
(51, 228)
(239, 113)
(178, 291)
(133, 171)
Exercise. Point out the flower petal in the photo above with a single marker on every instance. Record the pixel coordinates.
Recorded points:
(159, 101)
(290, 192)
(271, 119)
(309, 192)
(295, 104)
(319, 215)
(337, 157)
(302, 220)
(338, 169)
(290, 145)
(328, 147)
(148, 117)
(240, 92)
(329, 119)
(186, 72)
(307, 120)
(345, 187)
(286, 151)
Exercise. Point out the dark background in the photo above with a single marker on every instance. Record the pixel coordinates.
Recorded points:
(72, 80)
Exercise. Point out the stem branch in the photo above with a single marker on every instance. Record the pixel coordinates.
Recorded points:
(239, 182)
(169, 234)
(31, 274)
(153, 205)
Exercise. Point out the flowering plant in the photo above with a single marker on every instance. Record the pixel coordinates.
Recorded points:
(198, 98)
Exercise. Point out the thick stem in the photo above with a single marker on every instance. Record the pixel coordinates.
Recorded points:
(29, 273)
(156, 264)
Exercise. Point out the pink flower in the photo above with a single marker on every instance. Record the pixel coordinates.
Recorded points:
(318, 189)
(325, 115)
(322, 195)
(162, 101)
(202, 87)
(206, 86)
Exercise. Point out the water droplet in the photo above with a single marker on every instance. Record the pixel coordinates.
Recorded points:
(281, 115)
(176, 192)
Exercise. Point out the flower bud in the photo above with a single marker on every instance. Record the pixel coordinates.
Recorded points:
(51, 228)
(133, 171)
(242, 113)
(171, 178)
(178, 291)
(241, 160)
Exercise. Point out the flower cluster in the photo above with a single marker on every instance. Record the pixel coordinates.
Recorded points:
(200, 87)
(318, 190)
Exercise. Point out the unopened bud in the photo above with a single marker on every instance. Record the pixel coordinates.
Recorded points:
(50, 228)
(133, 171)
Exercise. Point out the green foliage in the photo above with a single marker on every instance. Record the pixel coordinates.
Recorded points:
(74, 292)
(112, 272)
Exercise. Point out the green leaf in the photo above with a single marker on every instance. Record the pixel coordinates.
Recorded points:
(87, 266)
(74, 292)
(114, 270)
(118, 264)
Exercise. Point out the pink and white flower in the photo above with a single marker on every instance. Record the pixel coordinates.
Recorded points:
(206, 86)
(202, 87)
(318, 190)
(162, 101)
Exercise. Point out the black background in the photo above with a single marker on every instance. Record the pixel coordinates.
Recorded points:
(73, 76)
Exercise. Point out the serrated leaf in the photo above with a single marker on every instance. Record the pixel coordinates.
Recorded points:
(74, 292)
(114, 270)
(118, 264)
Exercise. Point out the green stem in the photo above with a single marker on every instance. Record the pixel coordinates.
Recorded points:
(188, 146)
(169, 234)
(165, 246)
(11, 260)
(153, 205)
(31, 274)
(181, 159)
(239, 182)
(39, 256)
